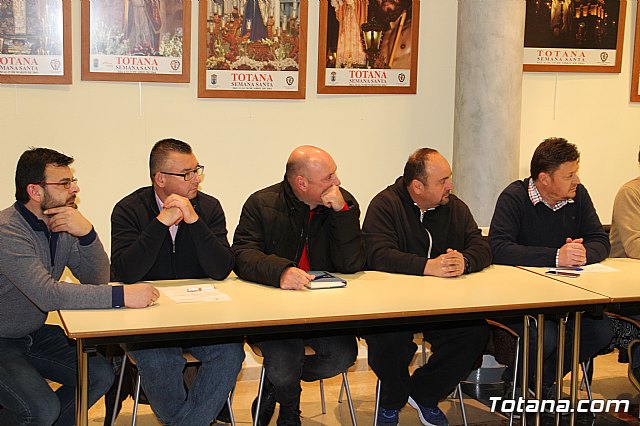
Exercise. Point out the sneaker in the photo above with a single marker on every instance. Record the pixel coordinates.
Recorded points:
(429, 416)
(267, 404)
(634, 353)
(387, 417)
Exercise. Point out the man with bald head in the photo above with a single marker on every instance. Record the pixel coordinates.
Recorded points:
(306, 222)
(417, 227)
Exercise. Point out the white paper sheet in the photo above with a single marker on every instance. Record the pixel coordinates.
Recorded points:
(197, 293)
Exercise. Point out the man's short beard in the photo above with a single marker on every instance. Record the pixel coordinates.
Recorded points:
(47, 203)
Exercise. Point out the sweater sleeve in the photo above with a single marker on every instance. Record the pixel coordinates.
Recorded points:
(381, 242)
(626, 220)
(21, 265)
(347, 245)
(133, 248)
(596, 241)
(89, 263)
(252, 263)
(503, 235)
(209, 235)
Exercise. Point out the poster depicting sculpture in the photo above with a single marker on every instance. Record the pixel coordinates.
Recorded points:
(368, 46)
(136, 40)
(252, 49)
(35, 41)
(574, 35)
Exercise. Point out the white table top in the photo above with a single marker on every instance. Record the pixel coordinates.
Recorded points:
(621, 286)
(368, 296)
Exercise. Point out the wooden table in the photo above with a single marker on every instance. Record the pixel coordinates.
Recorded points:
(370, 299)
(622, 286)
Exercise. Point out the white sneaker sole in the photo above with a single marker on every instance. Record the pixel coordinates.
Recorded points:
(424, 421)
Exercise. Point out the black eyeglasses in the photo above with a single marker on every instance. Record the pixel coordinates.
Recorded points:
(188, 175)
(66, 184)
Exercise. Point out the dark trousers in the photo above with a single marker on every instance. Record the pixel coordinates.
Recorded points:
(596, 333)
(286, 364)
(25, 363)
(455, 347)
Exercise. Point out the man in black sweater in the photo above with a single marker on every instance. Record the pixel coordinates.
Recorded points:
(417, 227)
(549, 220)
(171, 230)
(306, 222)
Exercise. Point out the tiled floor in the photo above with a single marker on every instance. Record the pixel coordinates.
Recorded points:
(610, 382)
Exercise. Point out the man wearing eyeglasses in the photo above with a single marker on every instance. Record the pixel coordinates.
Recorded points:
(170, 230)
(41, 234)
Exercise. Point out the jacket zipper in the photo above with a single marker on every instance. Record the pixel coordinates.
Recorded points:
(428, 234)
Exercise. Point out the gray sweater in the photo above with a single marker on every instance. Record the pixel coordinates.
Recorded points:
(29, 286)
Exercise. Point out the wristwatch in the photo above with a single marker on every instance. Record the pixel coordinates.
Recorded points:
(467, 267)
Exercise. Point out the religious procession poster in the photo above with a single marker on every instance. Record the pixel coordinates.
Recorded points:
(635, 71)
(252, 49)
(35, 41)
(136, 40)
(574, 35)
(368, 46)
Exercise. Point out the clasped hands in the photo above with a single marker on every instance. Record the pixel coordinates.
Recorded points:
(572, 253)
(176, 209)
(449, 264)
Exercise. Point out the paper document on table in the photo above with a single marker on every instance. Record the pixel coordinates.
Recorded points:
(197, 293)
(598, 267)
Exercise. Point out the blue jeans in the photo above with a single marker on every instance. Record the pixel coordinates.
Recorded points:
(286, 364)
(161, 369)
(26, 397)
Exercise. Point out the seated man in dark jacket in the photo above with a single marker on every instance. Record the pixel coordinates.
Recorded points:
(306, 222)
(549, 220)
(170, 230)
(417, 227)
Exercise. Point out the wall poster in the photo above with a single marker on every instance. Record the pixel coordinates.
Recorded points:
(136, 40)
(35, 41)
(368, 46)
(574, 35)
(252, 49)
(635, 72)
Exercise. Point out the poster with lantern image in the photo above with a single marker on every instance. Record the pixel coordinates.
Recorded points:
(574, 35)
(368, 46)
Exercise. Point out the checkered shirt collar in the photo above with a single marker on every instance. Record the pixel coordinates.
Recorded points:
(535, 197)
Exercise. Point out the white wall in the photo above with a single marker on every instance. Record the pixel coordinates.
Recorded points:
(110, 127)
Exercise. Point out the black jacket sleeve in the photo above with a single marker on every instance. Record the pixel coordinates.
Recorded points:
(252, 262)
(345, 236)
(209, 236)
(134, 245)
(382, 242)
